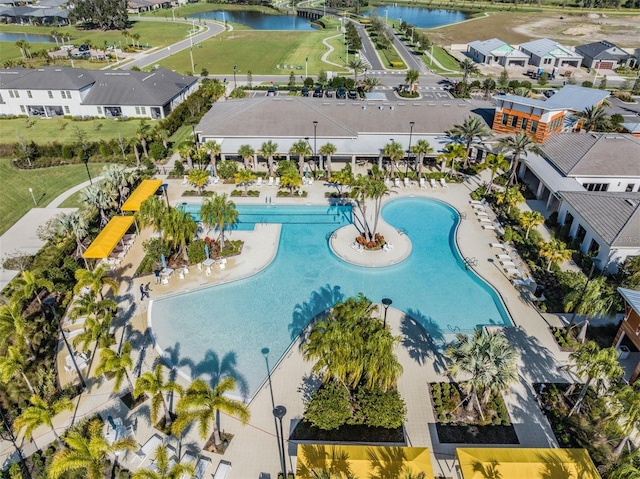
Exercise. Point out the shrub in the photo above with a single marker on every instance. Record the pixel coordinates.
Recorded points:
(328, 408)
(67, 152)
(178, 168)
(378, 409)
(196, 252)
(156, 150)
(227, 169)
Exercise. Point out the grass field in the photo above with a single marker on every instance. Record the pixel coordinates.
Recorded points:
(63, 130)
(256, 51)
(47, 184)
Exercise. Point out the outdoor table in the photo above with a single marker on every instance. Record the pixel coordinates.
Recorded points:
(208, 262)
(166, 272)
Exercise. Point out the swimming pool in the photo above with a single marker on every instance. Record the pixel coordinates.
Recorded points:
(222, 330)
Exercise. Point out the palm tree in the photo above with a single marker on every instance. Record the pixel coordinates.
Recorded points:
(627, 466)
(411, 78)
(201, 403)
(488, 87)
(357, 65)
(554, 251)
(471, 129)
(394, 152)
(87, 455)
(510, 197)
(198, 178)
(495, 163)
(142, 133)
(73, 225)
(451, 154)
(530, 219)
(40, 413)
(244, 177)
(489, 362)
(592, 118)
(223, 215)
(96, 329)
(13, 326)
(117, 364)
(214, 148)
(328, 150)
(421, 149)
(186, 151)
(95, 280)
(178, 228)
(599, 365)
(594, 297)
(30, 285)
(246, 153)
(14, 364)
(102, 198)
(289, 178)
(120, 180)
(468, 67)
(154, 384)
(625, 412)
(519, 145)
(268, 151)
(164, 468)
(152, 210)
(301, 148)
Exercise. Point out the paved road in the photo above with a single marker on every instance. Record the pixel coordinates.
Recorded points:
(414, 62)
(368, 49)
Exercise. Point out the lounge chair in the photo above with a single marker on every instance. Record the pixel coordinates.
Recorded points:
(207, 271)
(507, 257)
(481, 213)
(407, 183)
(488, 227)
(222, 470)
(482, 219)
(148, 447)
(396, 183)
(432, 182)
(477, 207)
(184, 180)
(508, 264)
(201, 467)
(477, 202)
(422, 183)
(515, 272)
(187, 459)
(499, 245)
(310, 181)
(164, 280)
(277, 181)
(443, 183)
(259, 181)
(270, 181)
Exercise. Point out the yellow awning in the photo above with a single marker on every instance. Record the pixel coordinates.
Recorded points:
(526, 463)
(108, 238)
(145, 189)
(362, 461)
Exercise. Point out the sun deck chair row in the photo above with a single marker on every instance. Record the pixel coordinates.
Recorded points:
(200, 466)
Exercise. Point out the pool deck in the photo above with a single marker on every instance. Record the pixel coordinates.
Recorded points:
(254, 448)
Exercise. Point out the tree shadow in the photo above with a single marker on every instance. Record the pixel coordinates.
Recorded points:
(310, 384)
(488, 470)
(319, 301)
(423, 338)
(217, 369)
(387, 462)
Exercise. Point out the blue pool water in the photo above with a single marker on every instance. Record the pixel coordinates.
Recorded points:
(222, 330)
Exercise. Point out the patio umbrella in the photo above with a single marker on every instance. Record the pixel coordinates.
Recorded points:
(583, 331)
(206, 250)
(163, 260)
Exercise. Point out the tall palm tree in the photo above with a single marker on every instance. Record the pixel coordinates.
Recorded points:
(31, 284)
(554, 251)
(625, 411)
(202, 403)
(268, 150)
(13, 326)
(495, 163)
(164, 468)
(223, 215)
(376, 190)
(186, 151)
(120, 180)
(411, 78)
(102, 198)
(487, 360)
(421, 149)
(142, 134)
(155, 385)
(96, 280)
(594, 297)
(96, 329)
(302, 149)
(592, 118)
(599, 365)
(394, 152)
(468, 68)
(214, 148)
(451, 155)
(246, 153)
(473, 128)
(358, 66)
(152, 210)
(519, 145)
(198, 178)
(488, 87)
(40, 413)
(510, 197)
(245, 177)
(87, 455)
(14, 364)
(328, 150)
(178, 229)
(118, 364)
(73, 225)
(290, 178)
(530, 219)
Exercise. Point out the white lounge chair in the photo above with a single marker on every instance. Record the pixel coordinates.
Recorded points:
(432, 182)
(277, 181)
(499, 245)
(507, 257)
(488, 227)
(443, 183)
(259, 181)
(477, 207)
(481, 213)
(407, 183)
(422, 183)
(509, 264)
(482, 219)
(515, 272)
(148, 447)
(477, 202)
(222, 470)
(396, 183)
(270, 181)
(184, 180)
(201, 467)
(187, 459)
(310, 181)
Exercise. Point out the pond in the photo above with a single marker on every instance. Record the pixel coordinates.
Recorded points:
(29, 37)
(258, 20)
(419, 17)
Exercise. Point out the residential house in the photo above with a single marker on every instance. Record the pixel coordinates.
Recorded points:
(545, 53)
(629, 329)
(63, 91)
(542, 118)
(495, 51)
(604, 55)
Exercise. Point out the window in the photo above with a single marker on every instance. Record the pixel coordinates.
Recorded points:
(596, 186)
(66, 110)
(29, 95)
(68, 95)
(514, 121)
(11, 95)
(143, 110)
(14, 94)
(22, 109)
(505, 119)
(99, 110)
(63, 94)
(137, 110)
(630, 187)
(50, 93)
(534, 126)
(523, 125)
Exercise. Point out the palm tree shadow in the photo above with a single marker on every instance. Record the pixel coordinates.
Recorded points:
(171, 357)
(423, 338)
(319, 301)
(488, 471)
(387, 462)
(218, 369)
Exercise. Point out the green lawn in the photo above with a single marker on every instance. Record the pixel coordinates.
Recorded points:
(42, 130)
(47, 184)
(255, 51)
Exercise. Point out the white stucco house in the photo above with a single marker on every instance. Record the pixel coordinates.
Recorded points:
(495, 51)
(62, 91)
(545, 52)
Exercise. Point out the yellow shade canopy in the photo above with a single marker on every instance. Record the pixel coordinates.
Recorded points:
(108, 238)
(526, 463)
(362, 462)
(145, 189)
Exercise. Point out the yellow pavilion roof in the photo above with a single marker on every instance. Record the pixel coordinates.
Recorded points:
(145, 189)
(108, 238)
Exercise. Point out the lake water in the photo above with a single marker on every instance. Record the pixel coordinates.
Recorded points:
(29, 37)
(420, 17)
(258, 20)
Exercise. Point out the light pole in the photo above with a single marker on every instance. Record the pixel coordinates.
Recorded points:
(386, 302)
(9, 433)
(35, 203)
(85, 160)
(306, 68)
(315, 126)
(279, 412)
(235, 85)
(193, 29)
(51, 302)
(411, 125)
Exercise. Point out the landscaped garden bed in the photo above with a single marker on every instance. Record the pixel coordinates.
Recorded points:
(457, 424)
(305, 431)
(253, 193)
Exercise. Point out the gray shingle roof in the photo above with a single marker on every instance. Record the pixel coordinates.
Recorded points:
(487, 46)
(53, 78)
(600, 50)
(600, 154)
(632, 297)
(137, 88)
(615, 217)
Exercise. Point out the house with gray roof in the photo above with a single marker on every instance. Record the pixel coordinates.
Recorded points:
(604, 55)
(545, 52)
(62, 91)
(495, 51)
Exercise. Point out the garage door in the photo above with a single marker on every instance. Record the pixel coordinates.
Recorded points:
(605, 65)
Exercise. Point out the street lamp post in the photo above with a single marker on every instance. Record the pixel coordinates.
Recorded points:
(6, 428)
(411, 124)
(85, 160)
(306, 67)
(315, 126)
(193, 30)
(35, 203)
(50, 301)
(386, 302)
(235, 85)
(279, 412)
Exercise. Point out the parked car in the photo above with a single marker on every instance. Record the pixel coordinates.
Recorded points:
(305, 91)
(549, 93)
(341, 92)
(353, 95)
(318, 92)
(329, 92)
(81, 55)
(271, 91)
(83, 48)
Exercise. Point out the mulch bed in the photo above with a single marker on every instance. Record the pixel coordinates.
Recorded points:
(471, 434)
(225, 437)
(305, 431)
(132, 402)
